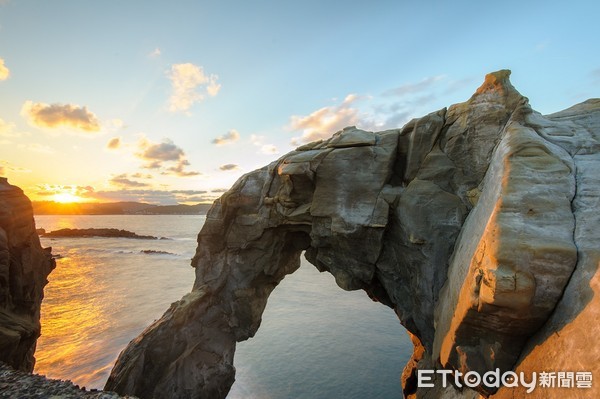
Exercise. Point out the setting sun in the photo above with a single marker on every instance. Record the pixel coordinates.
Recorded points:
(64, 198)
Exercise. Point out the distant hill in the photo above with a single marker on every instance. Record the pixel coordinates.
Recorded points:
(116, 208)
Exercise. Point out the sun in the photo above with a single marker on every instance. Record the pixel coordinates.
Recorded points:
(64, 198)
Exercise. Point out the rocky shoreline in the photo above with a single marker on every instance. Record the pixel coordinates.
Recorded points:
(18, 384)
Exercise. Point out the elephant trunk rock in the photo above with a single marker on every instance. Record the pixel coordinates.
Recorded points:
(471, 223)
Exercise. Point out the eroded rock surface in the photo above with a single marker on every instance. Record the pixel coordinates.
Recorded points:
(24, 268)
(469, 223)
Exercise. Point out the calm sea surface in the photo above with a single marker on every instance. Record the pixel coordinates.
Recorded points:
(315, 341)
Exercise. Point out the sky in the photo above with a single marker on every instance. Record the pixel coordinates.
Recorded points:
(172, 101)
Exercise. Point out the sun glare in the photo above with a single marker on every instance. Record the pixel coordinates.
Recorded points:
(64, 198)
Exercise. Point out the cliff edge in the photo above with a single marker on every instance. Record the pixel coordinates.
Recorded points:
(477, 224)
(24, 268)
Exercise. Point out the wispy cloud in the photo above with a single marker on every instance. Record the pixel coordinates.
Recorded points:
(189, 85)
(412, 88)
(114, 143)
(542, 46)
(139, 175)
(126, 192)
(228, 138)
(391, 109)
(122, 180)
(155, 155)
(7, 166)
(325, 121)
(52, 116)
(4, 71)
(155, 53)
(37, 147)
(259, 141)
(47, 190)
(179, 170)
(8, 130)
(229, 166)
(150, 196)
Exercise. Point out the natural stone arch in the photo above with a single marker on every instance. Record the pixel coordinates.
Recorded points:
(422, 218)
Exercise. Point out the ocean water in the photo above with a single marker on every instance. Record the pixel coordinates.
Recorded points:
(315, 341)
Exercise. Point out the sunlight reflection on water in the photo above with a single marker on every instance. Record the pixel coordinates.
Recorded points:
(315, 341)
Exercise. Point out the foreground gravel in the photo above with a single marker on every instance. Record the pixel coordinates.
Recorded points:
(20, 385)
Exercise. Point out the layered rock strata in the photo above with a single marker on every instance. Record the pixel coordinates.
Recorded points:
(477, 224)
(24, 268)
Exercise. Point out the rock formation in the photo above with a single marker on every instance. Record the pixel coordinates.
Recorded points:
(478, 225)
(93, 232)
(18, 384)
(24, 268)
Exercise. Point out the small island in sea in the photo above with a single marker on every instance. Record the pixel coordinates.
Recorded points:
(96, 232)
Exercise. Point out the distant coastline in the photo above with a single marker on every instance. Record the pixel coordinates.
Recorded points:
(116, 208)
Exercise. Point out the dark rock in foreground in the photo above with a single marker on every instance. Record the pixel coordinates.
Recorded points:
(113, 233)
(17, 384)
(478, 225)
(24, 268)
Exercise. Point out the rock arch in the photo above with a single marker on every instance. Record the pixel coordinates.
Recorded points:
(461, 222)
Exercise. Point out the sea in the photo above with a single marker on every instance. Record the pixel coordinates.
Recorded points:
(315, 340)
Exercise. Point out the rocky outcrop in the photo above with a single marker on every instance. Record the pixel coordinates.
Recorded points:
(93, 232)
(24, 268)
(21, 385)
(477, 224)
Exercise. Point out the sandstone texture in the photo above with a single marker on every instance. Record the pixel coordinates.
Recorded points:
(477, 224)
(24, 268)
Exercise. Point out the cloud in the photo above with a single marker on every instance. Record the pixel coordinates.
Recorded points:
(8, 130)
(123, 181)
(47, 190)
(412, 88)
(189, 192)
(322, 123)
(269, 149)
(189, 85)
(146, 195)
(57, 115)
(165, 151)
(114, 143)
(178, 170)
(155, 155)
(2, 170)
(152, 165)
(219, 190)
(155, 53)
(7, 166)
(230, 137)
(142, 176)
(229, 166)
(4, 71)
(37, 147)
(259, 141)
